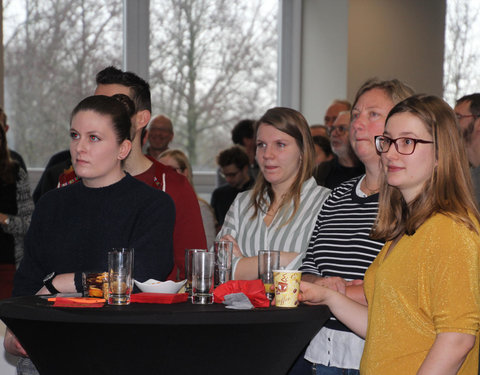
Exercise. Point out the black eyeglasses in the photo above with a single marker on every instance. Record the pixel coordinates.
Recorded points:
(230, 175)
(403, 145)
(341, 129)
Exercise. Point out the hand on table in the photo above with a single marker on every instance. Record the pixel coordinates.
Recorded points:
(12, 345)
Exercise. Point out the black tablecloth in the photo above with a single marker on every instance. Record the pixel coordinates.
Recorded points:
(160, 339)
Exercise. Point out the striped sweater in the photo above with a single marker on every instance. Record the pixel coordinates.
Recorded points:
(340, 244)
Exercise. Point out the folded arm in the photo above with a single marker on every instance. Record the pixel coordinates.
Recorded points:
(352, 289)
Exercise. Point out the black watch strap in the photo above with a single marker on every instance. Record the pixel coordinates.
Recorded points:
(48, 282)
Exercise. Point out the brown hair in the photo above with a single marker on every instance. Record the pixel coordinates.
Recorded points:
(449, 190)
(8, 167)
(293, 123)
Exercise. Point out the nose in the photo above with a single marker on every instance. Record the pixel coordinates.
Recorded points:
(392, 153)
(358, 122)
(267, 152)
(80, 145)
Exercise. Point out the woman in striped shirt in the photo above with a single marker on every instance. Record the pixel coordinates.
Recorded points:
(279, 212)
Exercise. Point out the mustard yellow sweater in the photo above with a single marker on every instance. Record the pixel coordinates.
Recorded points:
(428, 284)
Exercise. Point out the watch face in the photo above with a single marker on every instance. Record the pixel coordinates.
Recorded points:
(49, 276)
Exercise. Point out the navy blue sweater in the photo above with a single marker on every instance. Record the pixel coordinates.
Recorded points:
(74, 227)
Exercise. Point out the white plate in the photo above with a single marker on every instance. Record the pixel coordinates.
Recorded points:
(155, 286)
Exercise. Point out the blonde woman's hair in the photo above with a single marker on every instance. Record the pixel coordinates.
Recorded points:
(291, 122)
(396, 90)
(182, 161)
(449, 191)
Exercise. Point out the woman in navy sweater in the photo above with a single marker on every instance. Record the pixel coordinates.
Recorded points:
(74, 227)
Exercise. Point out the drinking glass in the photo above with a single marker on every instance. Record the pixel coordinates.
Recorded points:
(203, 264)
(223, 261)
(268, 260)
(120, 276)
(188, 269)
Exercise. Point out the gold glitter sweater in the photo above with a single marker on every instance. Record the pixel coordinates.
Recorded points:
(428, 284)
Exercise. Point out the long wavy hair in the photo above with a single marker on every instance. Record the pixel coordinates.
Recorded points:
(8, 167)
(293, 123)
(449, 190)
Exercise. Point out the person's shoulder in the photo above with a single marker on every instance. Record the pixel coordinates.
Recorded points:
(310, 186)
(226, 188)
(446, 227)
(59, 195)
(18, 158)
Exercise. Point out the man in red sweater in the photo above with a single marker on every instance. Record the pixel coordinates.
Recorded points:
(188, 231)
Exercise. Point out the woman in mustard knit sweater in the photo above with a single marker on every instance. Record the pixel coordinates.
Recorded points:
(422, 290)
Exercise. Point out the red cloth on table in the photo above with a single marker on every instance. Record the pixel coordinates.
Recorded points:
(253, 289)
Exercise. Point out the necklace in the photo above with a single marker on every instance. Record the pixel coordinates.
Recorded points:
(367, 190)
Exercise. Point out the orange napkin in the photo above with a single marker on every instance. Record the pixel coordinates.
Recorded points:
(253, 289)
(164, 298)
(77, 302)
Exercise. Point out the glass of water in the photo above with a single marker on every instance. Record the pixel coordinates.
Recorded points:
(203, 265)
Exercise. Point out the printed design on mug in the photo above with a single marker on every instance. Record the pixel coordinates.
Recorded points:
(286, 291)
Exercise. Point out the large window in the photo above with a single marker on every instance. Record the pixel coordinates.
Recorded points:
(462, 49)
(53, 48)
(212, 62)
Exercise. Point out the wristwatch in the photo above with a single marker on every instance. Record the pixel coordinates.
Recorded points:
(47, 281)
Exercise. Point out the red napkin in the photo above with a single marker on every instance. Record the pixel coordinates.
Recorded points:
(253, 289)
(158, 298)
(77, 302)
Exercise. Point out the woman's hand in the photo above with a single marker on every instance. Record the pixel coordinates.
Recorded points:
(313, 294)
(334, 283)
(236, 249)
(12, 345)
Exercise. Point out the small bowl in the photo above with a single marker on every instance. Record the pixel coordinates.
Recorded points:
(155, 286)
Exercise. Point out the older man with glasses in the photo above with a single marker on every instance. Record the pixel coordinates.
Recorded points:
(345, 165)
(467, 110)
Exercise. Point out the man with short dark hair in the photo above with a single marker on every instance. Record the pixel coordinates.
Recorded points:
(242, 134)
(188, 231)
(233, 163)
(467, 110)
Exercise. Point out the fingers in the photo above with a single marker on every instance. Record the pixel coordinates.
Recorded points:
(311, 294)
(236, 250)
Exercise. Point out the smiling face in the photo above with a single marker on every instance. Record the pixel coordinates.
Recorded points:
(160, 133)
(96, 154)
(368, 120)
(278, 157)
(408, 173)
